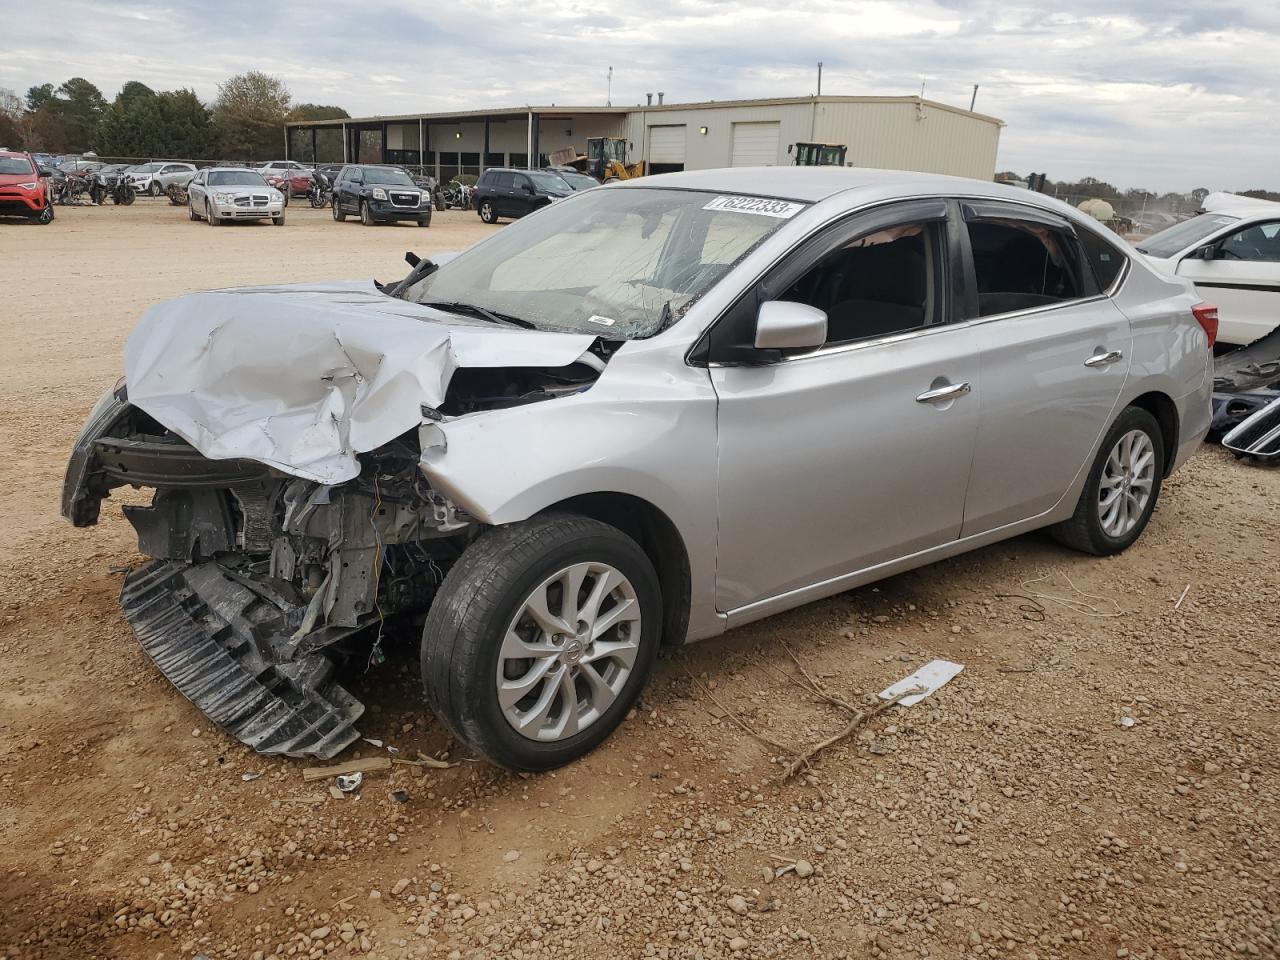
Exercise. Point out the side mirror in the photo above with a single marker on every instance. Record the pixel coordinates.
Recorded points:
(528, 188)
(786, 325)
(1208, 252)
(43, 172)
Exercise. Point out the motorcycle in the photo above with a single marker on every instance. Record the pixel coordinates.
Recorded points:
(458, 196)
(321, 190)
(114, 186)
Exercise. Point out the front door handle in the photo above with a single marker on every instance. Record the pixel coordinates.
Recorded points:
(951, 391)
(1103, 359)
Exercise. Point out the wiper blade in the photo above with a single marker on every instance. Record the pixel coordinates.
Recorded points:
(471, 309)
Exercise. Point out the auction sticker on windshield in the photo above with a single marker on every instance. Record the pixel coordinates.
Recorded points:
(782, 209)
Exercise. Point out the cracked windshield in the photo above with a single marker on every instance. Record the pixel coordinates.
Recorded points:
(622, 263)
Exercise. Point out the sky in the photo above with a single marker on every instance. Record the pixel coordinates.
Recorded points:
(1165, 94)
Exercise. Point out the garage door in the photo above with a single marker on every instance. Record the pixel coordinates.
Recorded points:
(755, 144)
(666, 145)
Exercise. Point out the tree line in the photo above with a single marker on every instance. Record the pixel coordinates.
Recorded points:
(244, 122)
(1133, 198)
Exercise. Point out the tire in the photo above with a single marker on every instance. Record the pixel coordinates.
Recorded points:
(191, 211)
(129, 196)
(338, 214)
(45, 216)
(1087, 530)
(153, 189)
(424, 221)
(278, 221)
(485, 591)
(208, 215)
(365, 216)
(488, 213)
(317, 202)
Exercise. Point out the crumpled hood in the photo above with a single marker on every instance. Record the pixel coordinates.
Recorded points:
(303, 377)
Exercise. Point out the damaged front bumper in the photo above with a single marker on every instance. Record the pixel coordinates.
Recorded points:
(258, 574)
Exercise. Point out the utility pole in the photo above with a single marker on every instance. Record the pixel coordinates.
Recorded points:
(974, 98)
(819, 78)
(608, 100)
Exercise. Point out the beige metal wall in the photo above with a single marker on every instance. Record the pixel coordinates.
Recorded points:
(910, 136)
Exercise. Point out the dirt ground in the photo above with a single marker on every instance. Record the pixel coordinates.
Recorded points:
(1100, 781)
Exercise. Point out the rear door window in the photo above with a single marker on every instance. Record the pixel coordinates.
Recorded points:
(1022, 264)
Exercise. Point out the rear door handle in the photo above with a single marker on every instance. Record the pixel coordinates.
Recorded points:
(951, 391)
(1103, 359)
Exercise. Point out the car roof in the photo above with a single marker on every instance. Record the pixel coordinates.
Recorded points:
(228, 169)
(811, 184)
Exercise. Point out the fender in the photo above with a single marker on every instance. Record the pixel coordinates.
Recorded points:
(504, 466)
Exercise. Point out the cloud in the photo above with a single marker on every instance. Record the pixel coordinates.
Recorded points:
(1169, 94)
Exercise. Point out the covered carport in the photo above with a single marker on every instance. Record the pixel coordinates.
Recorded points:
(448, 144)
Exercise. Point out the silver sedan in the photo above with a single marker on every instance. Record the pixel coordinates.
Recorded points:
(640, 417)
(221, 194)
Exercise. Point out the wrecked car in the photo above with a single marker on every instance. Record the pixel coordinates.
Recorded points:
(644, 415)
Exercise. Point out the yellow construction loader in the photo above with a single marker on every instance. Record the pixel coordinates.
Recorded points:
(606, 160)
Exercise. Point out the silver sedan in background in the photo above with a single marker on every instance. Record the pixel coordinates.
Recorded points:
(220, 194)
(644, 415)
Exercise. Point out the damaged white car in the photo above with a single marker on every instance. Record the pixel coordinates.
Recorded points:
(644, 415)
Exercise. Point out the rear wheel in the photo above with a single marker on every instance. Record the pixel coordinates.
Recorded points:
(488, 212)
(1123, 487)
(540, 639)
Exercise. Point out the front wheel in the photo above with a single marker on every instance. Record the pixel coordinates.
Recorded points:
(209, 215)
(365, 216)
(45, 216)
(338, 214)
(153, 189)
(191, 212)
(278, 221)
(488, 213)
(317, 201)
(1122, 489)
(540, 639)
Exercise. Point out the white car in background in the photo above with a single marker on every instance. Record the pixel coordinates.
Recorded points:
(156, 177)
(1231, 252)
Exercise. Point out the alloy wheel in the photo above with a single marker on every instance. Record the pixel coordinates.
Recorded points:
(1124, 490)
(568, 651)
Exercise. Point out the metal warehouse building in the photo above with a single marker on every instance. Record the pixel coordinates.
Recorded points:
(908, 133)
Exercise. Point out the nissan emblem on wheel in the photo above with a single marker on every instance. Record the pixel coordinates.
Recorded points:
(646, 414)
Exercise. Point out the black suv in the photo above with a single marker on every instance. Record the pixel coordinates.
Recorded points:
(379, 194)
(502, 192)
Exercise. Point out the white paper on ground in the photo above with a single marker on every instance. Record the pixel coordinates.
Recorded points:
(931, 676)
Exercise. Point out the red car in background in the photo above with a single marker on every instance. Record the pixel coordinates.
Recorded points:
(23, 190)
(288, 176)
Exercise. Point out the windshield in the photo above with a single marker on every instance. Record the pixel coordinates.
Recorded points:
(15, 165)
(236, 178)
(387, 175)
(1182, 235)
(580, 181)
(548, 181)
(620, 263)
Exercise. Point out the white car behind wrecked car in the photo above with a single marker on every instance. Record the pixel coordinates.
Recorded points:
(1231, 252)
(642, 415)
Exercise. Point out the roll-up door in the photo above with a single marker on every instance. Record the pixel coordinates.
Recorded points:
(666, 149)
(755, 144)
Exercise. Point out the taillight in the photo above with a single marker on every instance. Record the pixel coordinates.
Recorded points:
(1206, 315)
